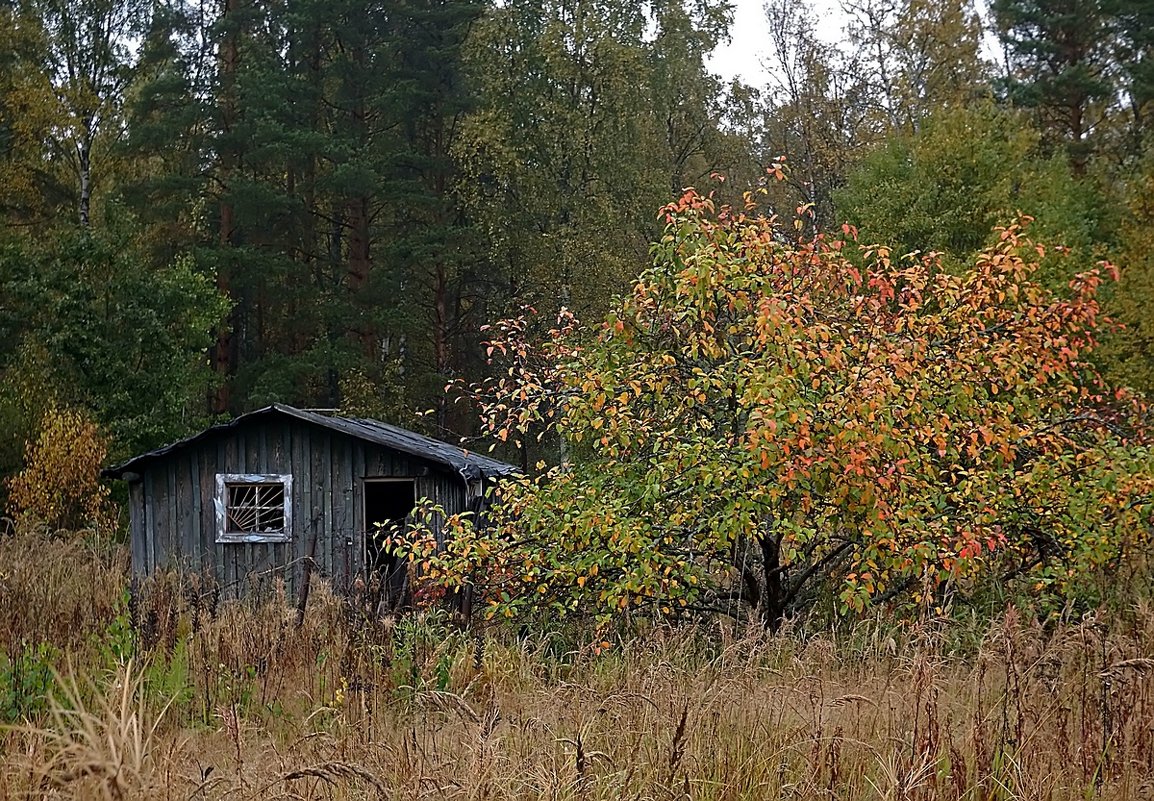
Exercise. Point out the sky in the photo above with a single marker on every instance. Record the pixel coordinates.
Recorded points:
(742, 57)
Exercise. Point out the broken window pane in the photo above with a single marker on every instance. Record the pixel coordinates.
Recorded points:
(256, 508)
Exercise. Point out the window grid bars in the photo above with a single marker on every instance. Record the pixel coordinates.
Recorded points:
(255, 508)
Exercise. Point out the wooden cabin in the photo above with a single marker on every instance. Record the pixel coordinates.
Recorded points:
(282, 492)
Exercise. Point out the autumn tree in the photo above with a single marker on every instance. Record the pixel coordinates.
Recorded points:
(761, 417)
(60, 486)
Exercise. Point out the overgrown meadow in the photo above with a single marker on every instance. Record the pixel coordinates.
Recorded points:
(174, 693)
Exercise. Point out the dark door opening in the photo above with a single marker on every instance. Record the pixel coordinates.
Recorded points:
(388, 503)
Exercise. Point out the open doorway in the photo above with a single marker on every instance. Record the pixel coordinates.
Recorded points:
(388, 504)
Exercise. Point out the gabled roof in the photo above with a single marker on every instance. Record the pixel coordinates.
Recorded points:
(471, 466)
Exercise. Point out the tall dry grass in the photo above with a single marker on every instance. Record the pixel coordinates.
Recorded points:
(57, 589)
(103, 749)
(236, 701)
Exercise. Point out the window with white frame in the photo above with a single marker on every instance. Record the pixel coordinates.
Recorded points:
(253, 507)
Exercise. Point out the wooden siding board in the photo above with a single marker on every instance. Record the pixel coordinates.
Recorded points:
(279, 443)
(206, 523)
(226, 563)
(175, 517)
(348, 534)
(237, 462)
(452, 496)
(357, 555)
(258, 451)
(136, 529)
(433, 488)
(301, 512)
(244, 563)
(337, 446)
(183, 473)
(196, 469)
(148, 542)
(164, 518)
(149, 520)
(176, 507)
(321, 501)
(308, 517)
(313, 546)
(322, 475)
(163, 511)
(160, 515)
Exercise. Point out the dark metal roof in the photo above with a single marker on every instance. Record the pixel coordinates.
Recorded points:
(471, 466)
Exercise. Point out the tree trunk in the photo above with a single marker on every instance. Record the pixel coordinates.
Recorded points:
(773, 596)
(359, 267)
(84, 158)
(1079, 150)
(224, 349)
(441, 334)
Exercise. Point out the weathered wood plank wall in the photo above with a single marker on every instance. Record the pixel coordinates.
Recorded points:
(174, 519)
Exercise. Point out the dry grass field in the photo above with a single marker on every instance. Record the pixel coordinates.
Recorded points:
(179, 696)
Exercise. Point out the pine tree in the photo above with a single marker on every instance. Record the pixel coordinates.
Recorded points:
(1134, 53)
(327, 212)
(1059, 62)
(433, 243)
